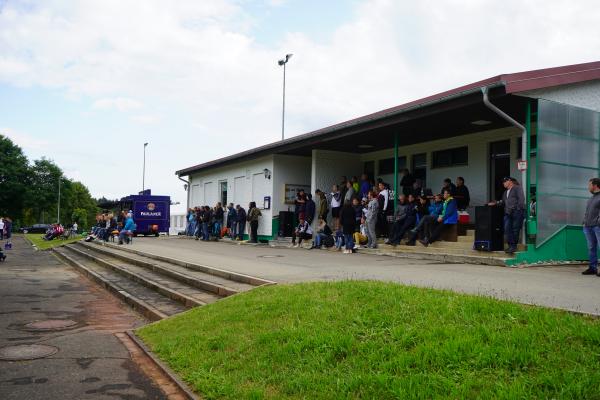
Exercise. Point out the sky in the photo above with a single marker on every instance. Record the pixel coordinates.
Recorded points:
(87, 83)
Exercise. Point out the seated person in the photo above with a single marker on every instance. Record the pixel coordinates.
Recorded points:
(399, 217)
(422, 228)
(303, 232)
(408, 222)
(445, 220)
(127, 230)
(323, 232)
(360, 237)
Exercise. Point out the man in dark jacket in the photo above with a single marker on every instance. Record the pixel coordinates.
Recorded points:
(591, 225)
(461, 194)
(513, 201)
(448, 185)
(310, 208)
(241, 222)
(407, 182)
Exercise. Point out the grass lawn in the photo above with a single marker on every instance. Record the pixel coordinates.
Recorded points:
(375, 340)
(36, 238)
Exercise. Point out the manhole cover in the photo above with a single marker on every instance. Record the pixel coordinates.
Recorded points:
(271, 256)
(22, 352)
(50, 325)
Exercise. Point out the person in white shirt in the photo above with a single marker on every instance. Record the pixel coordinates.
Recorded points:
(303, 232)
(1, 228)
(336, 205)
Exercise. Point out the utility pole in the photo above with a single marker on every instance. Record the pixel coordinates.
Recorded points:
(144, 169)
(283, 63)
(58, 207)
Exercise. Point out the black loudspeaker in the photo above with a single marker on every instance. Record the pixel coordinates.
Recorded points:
(286, 223)
(489, 228)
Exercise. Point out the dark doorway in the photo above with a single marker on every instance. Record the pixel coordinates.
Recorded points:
(369, 169)
(419, 167)
(499, 167)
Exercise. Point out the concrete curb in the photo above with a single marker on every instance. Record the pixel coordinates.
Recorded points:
(165, 369)
(137, 304)
(232, 276)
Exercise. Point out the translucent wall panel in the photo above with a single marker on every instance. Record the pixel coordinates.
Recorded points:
(568, 156)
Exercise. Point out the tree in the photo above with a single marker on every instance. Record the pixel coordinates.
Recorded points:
(43, 192)
(14, 180)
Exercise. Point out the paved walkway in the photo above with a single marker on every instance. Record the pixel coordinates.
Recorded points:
(557, 286)
(92, 363)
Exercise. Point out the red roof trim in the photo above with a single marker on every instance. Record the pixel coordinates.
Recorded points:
(514, 83)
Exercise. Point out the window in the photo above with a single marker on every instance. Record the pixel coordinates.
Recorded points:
(450, 157)
(387, 166)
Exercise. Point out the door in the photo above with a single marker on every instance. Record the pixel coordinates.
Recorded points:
(210, 195)
(499, 167)
(238, 191)
(419, 167)
(223, 193)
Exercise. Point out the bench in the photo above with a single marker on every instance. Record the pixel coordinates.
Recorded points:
(450, 234)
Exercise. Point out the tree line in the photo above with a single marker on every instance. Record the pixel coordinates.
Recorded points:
(29, 191)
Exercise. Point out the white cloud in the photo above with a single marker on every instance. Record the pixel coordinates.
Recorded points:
(24, 140)
(145, 119)
(199, 61)
(117, 103)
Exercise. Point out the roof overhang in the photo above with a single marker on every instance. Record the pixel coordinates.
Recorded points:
(455, 110)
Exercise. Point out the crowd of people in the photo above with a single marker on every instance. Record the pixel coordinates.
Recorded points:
(107, 225)
(206, 223)
(363, 210)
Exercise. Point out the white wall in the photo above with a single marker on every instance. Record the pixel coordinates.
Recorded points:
(245, 183)
(287, 169)
(583, 94)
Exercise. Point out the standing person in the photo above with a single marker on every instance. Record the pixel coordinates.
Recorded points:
(343, 187)
(7, 232)
(336, 204)
(348, 222)
(355, 185)
(349, 192)
(253, 215)
(300, 204)
(371, 220)
(310, 208)
(365, 186)
(461, 194)
(407, 182)
(513, 201)
(449, 186)
(418, 190)
(231, 220)
(591, 226)
(219, 216)
(241, 222)
(323, 209)
(1, 228)
(383, 198)
(303, 232)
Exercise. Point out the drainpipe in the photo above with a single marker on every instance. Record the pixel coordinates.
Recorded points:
(513, 122)
(188, 192)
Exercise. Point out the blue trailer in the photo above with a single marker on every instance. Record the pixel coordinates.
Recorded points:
(151, 214)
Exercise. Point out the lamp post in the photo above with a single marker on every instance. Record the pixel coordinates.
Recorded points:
(284, 62)
(144, 169)
(58, 205)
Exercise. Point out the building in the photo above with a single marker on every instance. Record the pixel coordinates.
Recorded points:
(548, 118)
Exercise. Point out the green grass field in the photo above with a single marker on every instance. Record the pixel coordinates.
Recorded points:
(374, 340)
(36, 238)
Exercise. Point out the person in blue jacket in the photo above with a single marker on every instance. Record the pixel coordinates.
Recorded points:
(445, 220)
(128, 228)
